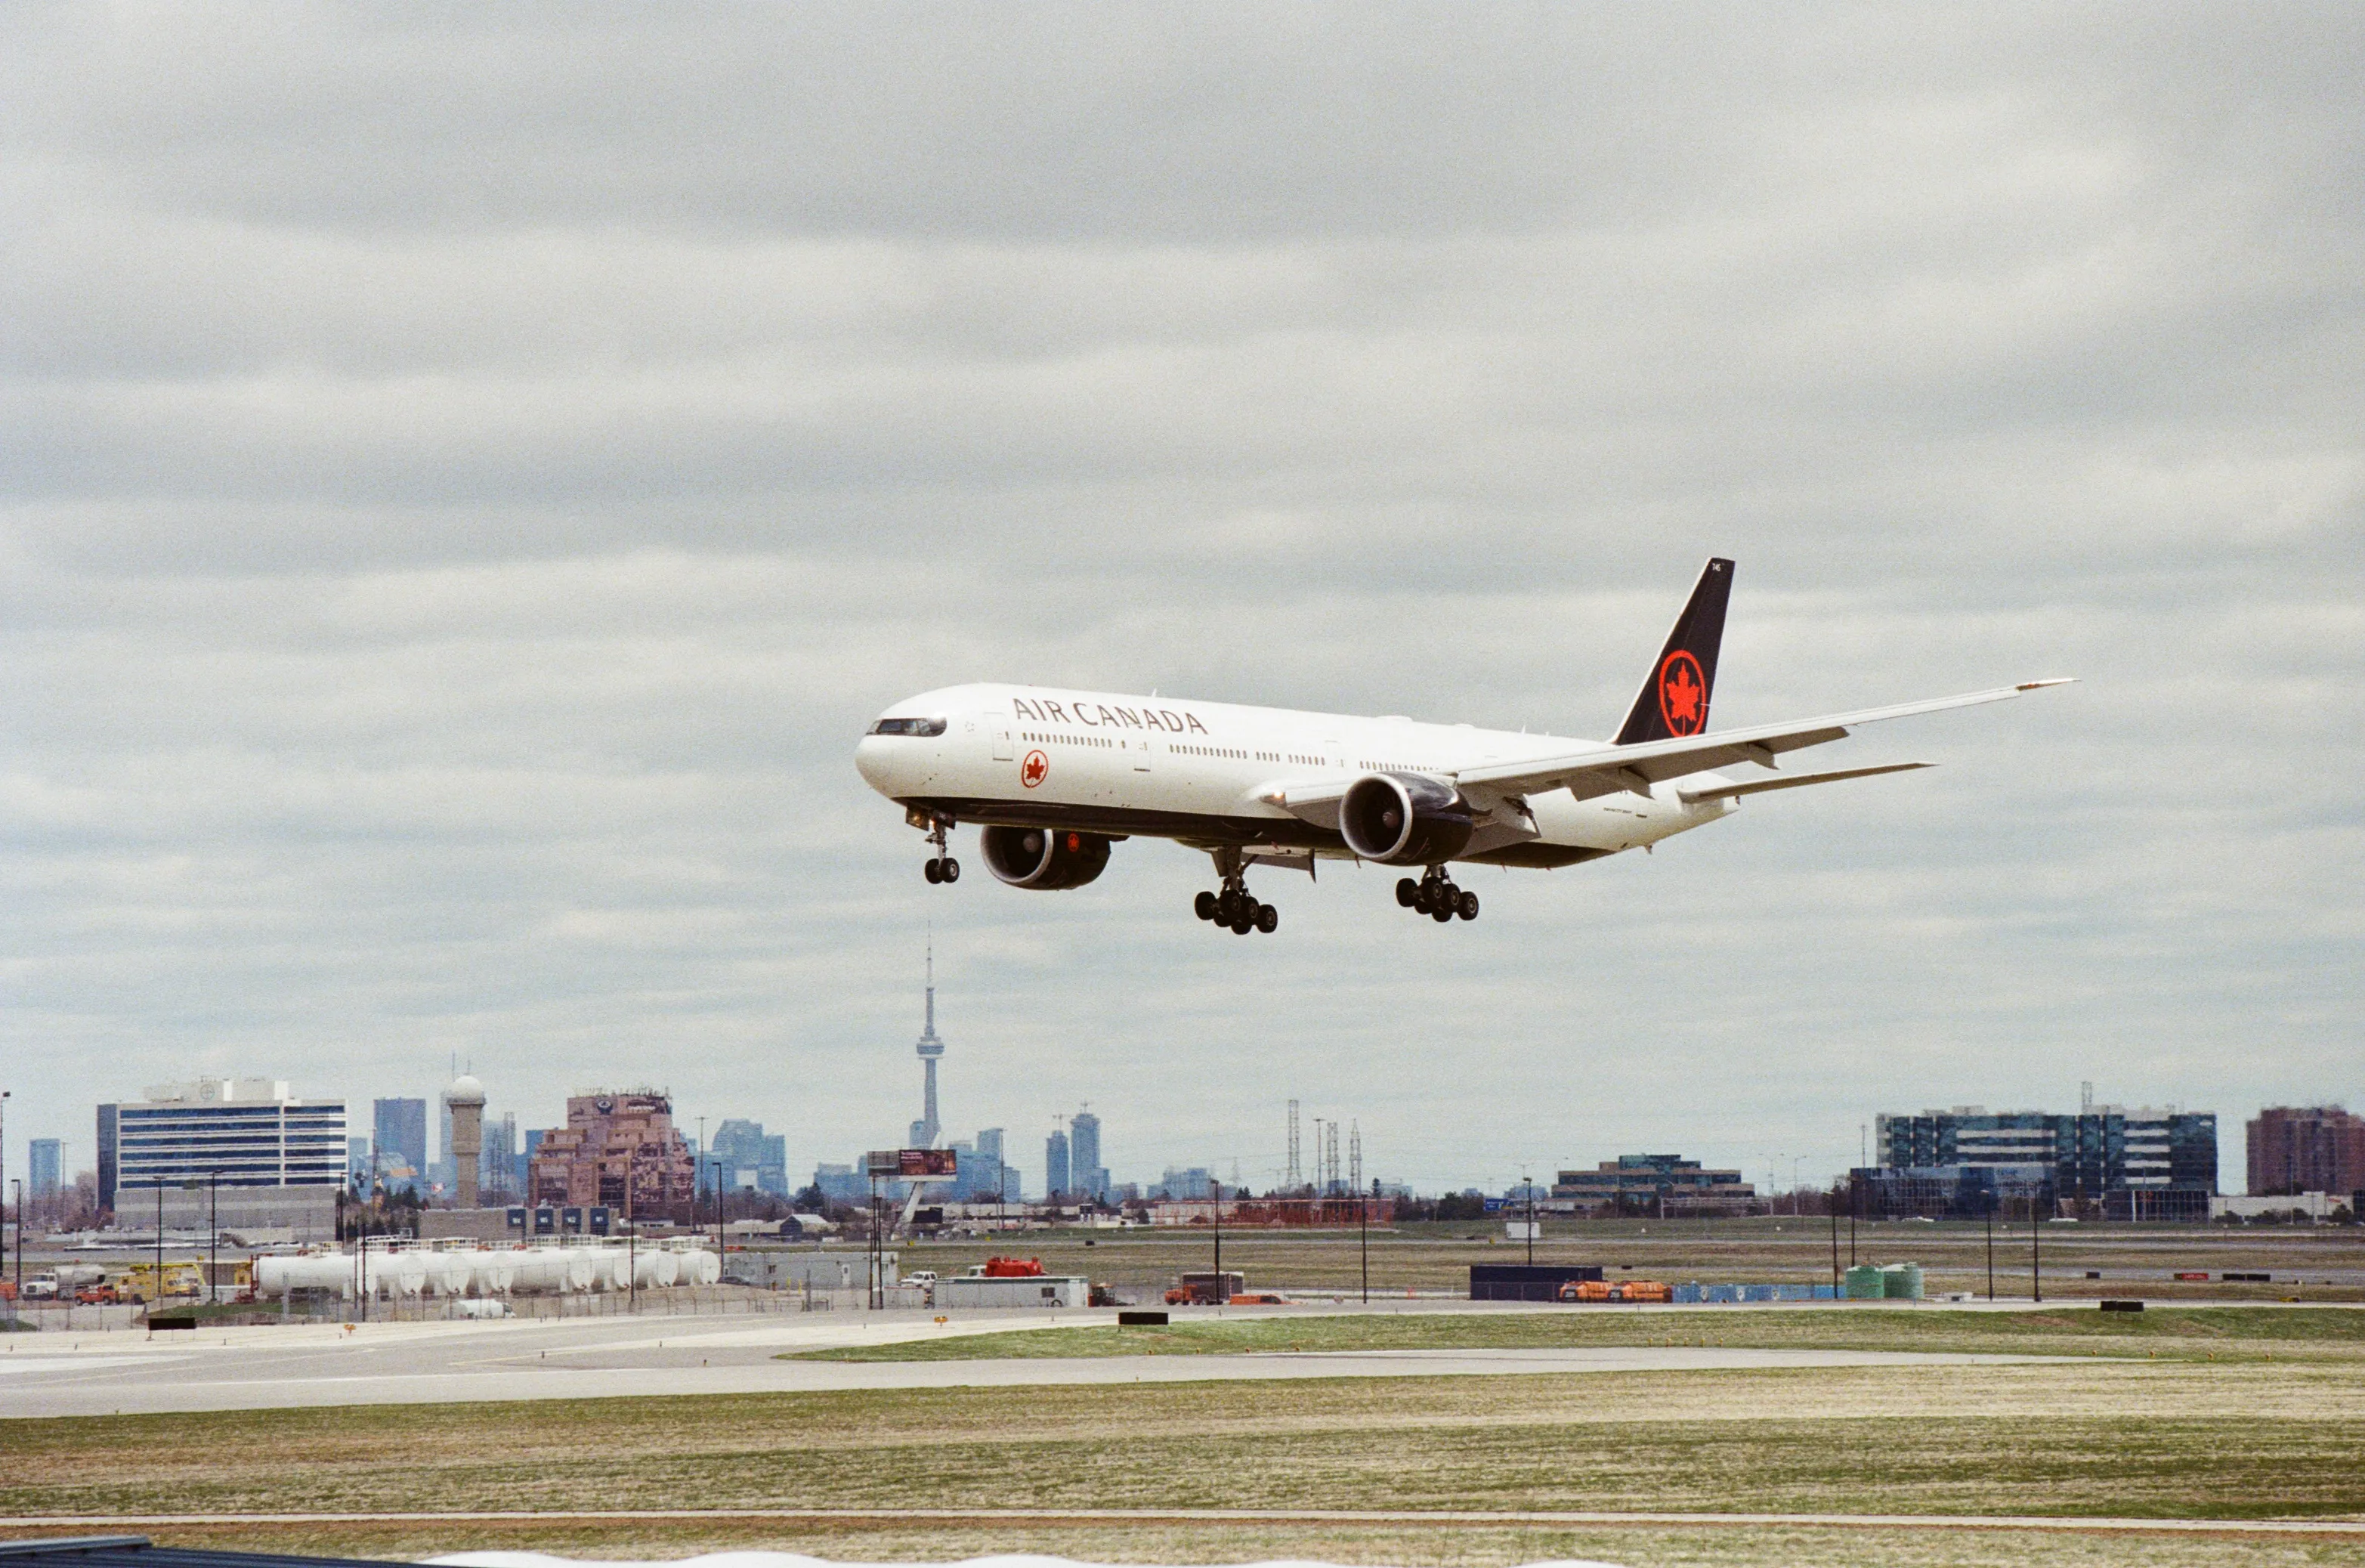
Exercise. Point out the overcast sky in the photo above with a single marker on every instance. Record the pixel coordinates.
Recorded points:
(471, 473)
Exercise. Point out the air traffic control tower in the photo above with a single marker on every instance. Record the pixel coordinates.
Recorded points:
(926, 1130)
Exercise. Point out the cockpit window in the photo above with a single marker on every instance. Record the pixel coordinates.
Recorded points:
(908, 727)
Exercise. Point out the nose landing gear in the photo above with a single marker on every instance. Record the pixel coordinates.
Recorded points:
(1435, 896)
(941, 867)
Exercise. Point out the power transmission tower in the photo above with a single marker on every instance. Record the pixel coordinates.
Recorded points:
(1355, 1157)
(1330, 1159)
(1291, 1184)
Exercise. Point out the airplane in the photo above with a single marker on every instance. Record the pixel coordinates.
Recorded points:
(1055, 776)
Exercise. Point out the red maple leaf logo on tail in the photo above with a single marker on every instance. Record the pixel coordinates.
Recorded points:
(1683, 694)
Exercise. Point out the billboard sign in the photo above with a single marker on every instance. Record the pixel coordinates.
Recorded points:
(909, 1163)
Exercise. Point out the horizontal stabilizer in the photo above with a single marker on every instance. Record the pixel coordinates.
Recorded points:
(1759, 786)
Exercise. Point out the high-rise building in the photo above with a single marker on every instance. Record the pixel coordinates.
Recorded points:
(399, 1144)
(2314, 1149)
(1055, 1165)
(752, 1160)
(612, 1146)
(1087, 1176)
(261, 1154)
(498, 1166)
(357, 1163)
(926, 1131)
(43, 1157)
(110, 1157)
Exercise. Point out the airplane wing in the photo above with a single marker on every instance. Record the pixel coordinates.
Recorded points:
(1605, 770)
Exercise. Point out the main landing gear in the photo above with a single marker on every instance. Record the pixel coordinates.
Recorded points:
(1238, 908)
(1435, 896)
(941, 867)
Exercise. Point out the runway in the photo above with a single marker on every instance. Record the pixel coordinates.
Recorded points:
(423, 1363)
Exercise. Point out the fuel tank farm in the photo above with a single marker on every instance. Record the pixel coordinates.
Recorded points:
(407, 1272)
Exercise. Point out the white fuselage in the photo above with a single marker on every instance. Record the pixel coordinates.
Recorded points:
(1216, 773)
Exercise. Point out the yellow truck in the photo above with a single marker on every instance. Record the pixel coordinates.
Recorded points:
(139, 1282)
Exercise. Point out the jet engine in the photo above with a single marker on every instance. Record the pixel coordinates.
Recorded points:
(1403, 819)
(1044, 858)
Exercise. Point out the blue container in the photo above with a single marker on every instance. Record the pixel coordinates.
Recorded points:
(1688, 1295)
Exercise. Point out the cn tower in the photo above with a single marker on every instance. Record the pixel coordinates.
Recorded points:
(926, 1130)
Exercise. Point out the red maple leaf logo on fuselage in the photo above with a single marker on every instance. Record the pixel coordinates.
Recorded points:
(1683, 694)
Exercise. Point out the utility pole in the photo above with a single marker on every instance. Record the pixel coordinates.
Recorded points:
(2036, 1253)
(1363, 1229)
(1836, 1240)
(1992, 1208)
(213, 1233)
(1530, 1188)
(156, 1285)
(1217, 1188)
(20, 1241)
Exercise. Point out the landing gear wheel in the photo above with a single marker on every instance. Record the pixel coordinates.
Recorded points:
(1408, 891)
(952, 869)
(1268, 919)
(1242, 923)
(1468, 906)
(933, 870)
(1423, 899)
(1227, 907)
(1442, 913)
(1204, 906)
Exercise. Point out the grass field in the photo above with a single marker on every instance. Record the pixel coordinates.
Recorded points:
(2314, 1264)
(2178, 1435)
(2202, 1334)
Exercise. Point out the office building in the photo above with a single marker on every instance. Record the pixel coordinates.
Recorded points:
(110, 1156)
(43, 1157)
(1055, 1165)
(257, 1156)
(1087, 1175)
(1197, 1181)
(497, 1168)
(2315, 1148)
(844, 1186)
(357, 1163)
(2100, 1154)
(751, 1159)
(1640, 1182)
(622, 1150)
(399, 1145)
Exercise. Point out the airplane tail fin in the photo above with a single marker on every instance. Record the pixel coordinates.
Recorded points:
(1674, 699)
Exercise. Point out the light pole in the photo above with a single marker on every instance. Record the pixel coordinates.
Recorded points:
(213, 1233)
(1528, 1187)
(1363, 1237)
(20, 1241)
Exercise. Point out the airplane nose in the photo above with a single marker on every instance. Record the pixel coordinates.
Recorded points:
(874, 760)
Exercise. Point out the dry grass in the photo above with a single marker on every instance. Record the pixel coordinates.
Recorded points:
(2171, 1439)
(1458, 1546)
(2184, 1332)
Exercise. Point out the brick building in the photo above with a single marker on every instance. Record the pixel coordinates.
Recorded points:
(612, 1141)
(2314, 1149)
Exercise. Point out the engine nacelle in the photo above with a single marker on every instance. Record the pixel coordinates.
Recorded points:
(1044, 858)
(1403, 819)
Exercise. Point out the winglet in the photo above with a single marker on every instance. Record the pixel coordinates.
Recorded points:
(1674, 700)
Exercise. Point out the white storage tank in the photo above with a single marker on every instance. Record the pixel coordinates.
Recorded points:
(308, 1272)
